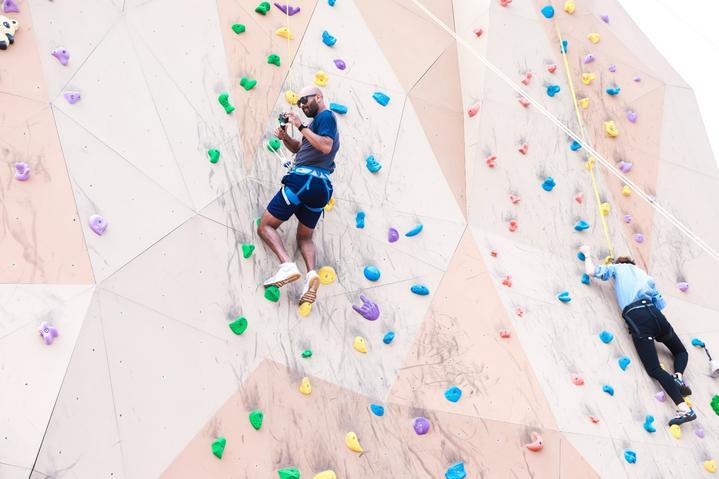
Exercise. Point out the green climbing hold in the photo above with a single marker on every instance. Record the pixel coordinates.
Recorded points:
(273, 144)
(715, 404)
(247, 84)
(263, 8)
(247, 250)
(238, 28)
(273, 59)
(257, 222)
(218, 446)
(224, 100)
(256, 418)
(272, 293)
(214, 156)
(307, 353)
(239, 325)
(289, 473)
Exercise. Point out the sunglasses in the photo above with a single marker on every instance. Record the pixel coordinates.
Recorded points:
(305, 99)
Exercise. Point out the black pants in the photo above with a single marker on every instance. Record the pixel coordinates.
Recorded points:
(647, 324)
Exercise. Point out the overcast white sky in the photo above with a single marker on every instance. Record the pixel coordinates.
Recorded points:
(686, 33)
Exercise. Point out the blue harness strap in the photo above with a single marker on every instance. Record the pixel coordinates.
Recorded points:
(294, 198)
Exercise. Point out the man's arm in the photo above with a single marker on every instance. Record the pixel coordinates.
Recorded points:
(318, 142)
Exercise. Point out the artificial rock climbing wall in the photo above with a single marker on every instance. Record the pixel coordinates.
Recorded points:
(146, 374)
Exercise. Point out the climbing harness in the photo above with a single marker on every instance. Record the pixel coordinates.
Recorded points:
(292, 197)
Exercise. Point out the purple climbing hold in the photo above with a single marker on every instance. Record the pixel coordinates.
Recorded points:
(9, 6)
(699, 432)
(62, 55)
(625, 166)
(639, 238)
(392, 235)
(637, 78)
(369, 309)
(604, 17)
(48, 332)
(340, 64)
(627, 218)
(421, 426)
(589, 58)
(22, 171)
(72, 97)
(660, 396)
(98, 224)
(612, 68)
(683, 286)
(632, 116)
(287, 9)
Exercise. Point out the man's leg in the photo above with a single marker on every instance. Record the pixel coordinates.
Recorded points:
(268, 232)
(647, 352)
(306, 245)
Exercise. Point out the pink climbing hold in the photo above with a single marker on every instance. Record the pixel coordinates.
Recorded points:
(519, 311)
(639, 238)
(523, 149)
(22, 171)
(552, 68)
(473, 110)
(683, 286)
(579, 197)
(491, 161)
(505, 3)
(536, 445)
(507, 281)
(514, 199)
(478, 32)
(72, 97)
(62, 55)
(527, 77)
(9, 6)
(577, 380)
(505, 334)
(524, 102)
(98, 224)
(594, 419)
(340, 64)
(513, 225)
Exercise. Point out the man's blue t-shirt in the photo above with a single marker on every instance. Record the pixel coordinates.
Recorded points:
(324, 124)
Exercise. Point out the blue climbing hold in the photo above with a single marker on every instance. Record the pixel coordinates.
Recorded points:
(453, 394)
(359, 219)
(630, 456)
(338, 108)
(581, 225)
(614, 91)
(698, 343)
(380, 98)
(328, 39)
(564, 297)
(564, 47)
(331, 2)
(371, 273)
(648, 426)
(549, 184)
(624, 362)
(376, 409)
(420, 289)
(548, 11)
(455, 471)
(553, 90)
(608, 389)
(606, 337)
(373, 165)
(585, 279)
(575, 146)
(388, 338)
(581, 256)
(414, 231)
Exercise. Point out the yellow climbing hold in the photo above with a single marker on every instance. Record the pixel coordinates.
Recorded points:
(584, 103)
(291, 97)
(327, 275)
(352, 442)
(676, 431)
(569, 6)
(305, 386)
(305, 309)
(608, 260)
(710, 466)
(604, 208)
(360, 344)
(593, 37)
(626, 191)
(330, 204)
(590, 163)
(321, 78)
(588, 78)
(611, 128)
(284, 32)
(325, 475)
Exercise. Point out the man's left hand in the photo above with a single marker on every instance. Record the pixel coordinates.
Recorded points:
(294, 119)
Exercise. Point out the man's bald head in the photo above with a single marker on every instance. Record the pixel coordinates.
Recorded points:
(310, 90)
(311, 101)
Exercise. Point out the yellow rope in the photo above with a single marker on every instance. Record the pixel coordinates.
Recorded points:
(289, 51)
(585, 138)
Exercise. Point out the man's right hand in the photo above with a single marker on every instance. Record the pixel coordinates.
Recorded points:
(281, 133)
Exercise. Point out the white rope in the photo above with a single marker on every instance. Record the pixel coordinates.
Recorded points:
(610, 167)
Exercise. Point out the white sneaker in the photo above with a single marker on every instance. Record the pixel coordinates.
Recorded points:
(309, 291)
(287, 273)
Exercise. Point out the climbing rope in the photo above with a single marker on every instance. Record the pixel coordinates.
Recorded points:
(289, 50)
(610, 167)
(590, 161)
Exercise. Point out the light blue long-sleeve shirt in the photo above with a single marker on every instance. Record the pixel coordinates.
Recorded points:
(630, 284)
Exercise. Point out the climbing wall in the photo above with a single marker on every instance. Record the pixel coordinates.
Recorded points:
(134, 243)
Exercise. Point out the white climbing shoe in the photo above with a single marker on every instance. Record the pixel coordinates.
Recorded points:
(312, 284)
(287, 273)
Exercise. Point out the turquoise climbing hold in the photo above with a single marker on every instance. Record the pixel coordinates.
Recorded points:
(372, 273)
(548, 11)
(414, 231)
(377, 410)
(420, 290)
(380, 98)
(331, 3)
(328, 39)
(388, 338)
(698, 343)
(455, 471)
(564, 297)
(630, 456)
(564, 47)
(359, 219)
(624, 362)
(553, 90)
(373, 165)
(585, 279)
(613, 91)
(453, 394)
(581, 225)
(606, 337)
(648, 426)
(581, 256)
(608, 389)
(575, 146)
(549, 184)
(338, 108)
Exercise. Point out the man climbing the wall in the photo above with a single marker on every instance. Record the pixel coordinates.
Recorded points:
(641, 303)
(306, 188)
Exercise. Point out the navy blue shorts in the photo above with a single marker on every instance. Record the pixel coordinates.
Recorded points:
(316, 195)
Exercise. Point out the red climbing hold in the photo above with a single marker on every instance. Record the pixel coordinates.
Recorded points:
(579, 198)
(519, 311)
(527, 77)
(523, 149)
(507, 281)
(473, 110)
(514, 199)
(505, 334)
(552, 68)
(478, 32)
(513, 225)
(577, 380)
(594, 419)
(493, 253)
(505, 3)
(524, 102)
(491, 161)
